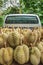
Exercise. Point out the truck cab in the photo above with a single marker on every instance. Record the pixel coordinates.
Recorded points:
(22, 20)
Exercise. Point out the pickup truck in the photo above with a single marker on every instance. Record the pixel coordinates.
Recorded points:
(22, 20)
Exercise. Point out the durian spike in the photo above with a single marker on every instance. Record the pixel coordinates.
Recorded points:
(18, 29)
(21, 38)
(35, 28)
(39, 39)
(40, 28)
(31, 45)
(21, 41)
(5, 44)
(6, 26)
(13, 28)
(6, 29)
(21, 30)
(35, 40)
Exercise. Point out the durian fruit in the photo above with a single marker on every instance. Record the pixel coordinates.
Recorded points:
(6, 30)
(28, 37)
(21, 37)
(35, 56)
(1, 41)
(0, 30)
(40, 47)
(1, 56)
(27, 34)
(41, 30)
(25, 31)
(13, 38)
(21, 54)
(1, 38)
(37, 35)
(5, 36)
(6, 56)
(18, 29)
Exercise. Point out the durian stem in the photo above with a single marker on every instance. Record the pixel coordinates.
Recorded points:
(39, 39)
(12, 28)
(6, 26)
(34, 43)
(5, 44)
(20, 35)
(21, 28)
(31, 45)
(21, 39)
(18, 29)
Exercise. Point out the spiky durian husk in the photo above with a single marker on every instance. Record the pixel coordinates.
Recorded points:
(40, 47)
(41, 31)
(28, 37)
(21, 54)
(37, 36)
(1, 40)
(35, 56)
(6, 56)
(13, 39)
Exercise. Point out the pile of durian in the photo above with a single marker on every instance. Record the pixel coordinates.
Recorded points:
(21, 45)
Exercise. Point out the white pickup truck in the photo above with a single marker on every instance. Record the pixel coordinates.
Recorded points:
(22, 20)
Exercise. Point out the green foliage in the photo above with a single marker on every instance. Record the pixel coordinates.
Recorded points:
(11, 10)
(1, 3)
(14, 10)
(1, 21)
(32, 6)
(27, 6)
